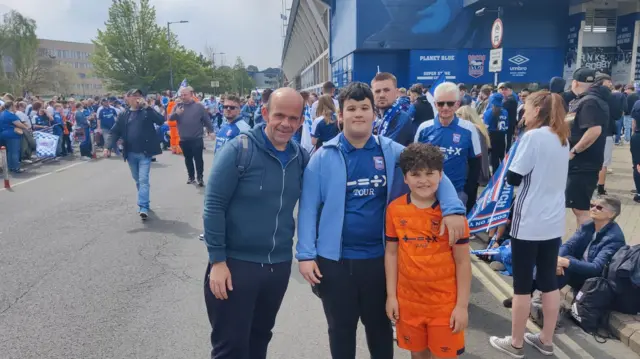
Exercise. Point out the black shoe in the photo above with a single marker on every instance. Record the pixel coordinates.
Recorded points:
(636, 198)
(200, 182)
(153, 159)
(634, 191)
(191, 181)
(601, 190)
(508, 302)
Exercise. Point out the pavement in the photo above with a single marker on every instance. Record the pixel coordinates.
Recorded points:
(83, 277)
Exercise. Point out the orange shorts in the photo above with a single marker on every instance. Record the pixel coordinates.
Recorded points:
(434, 334)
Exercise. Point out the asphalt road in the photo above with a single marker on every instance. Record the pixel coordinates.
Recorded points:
(82, 277)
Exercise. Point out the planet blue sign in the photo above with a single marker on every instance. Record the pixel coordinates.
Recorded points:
(470, 66)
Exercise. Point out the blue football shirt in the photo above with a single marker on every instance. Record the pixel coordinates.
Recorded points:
(229, 131)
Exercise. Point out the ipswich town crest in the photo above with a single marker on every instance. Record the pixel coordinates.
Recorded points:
(476, 65)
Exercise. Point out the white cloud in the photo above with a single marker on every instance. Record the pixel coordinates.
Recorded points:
(250, 29)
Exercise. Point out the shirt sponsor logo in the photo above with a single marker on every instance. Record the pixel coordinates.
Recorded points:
(366, 186)
(431, 138)
(229, 132)
(451, 151)
(378, 162)
(456, 138)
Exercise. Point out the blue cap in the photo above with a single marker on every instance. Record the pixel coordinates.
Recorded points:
(496, 99)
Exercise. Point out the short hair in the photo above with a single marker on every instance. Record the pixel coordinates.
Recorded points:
(403, 90)
(613, 203)
(462, 87)
(358, 91)
(266, 94)
(328, 86)
(416, 89)
(525, 90)
(447, 87)
(421, 156)
(618, 87)
(36, 106)
(79, 105)
(233, 98)
(384, 76)
(631, 87)
(305, 95)
(187, 88)
(57, 105)
(486, 89)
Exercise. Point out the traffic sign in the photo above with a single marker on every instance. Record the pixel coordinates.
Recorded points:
(495, 60)
(215, 83)
(497, 32)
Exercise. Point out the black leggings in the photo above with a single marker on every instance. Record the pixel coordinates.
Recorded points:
(541, 256)
(498, 148)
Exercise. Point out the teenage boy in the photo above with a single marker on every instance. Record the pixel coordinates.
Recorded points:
(428, 281)
(346, 187)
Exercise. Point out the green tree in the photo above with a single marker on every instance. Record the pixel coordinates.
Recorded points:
(132, 50)
(241, 79)
(252, 68)
(19, 44)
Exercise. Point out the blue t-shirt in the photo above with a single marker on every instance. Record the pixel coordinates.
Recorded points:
(6, 124)
(366, 198)
(57, 124)
(458, 142)
(500, 124)
(282, 156)
(325, 132)
(107, 116)
(229, 131)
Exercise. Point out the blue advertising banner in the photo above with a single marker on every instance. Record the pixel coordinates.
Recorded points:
(471, 66)
(621, 68)
(573, 37)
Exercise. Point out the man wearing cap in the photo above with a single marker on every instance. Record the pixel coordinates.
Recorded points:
(588, 117)
(106, 116)
(510, 104)
(140, 143)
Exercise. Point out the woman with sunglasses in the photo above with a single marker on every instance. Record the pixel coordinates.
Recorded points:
(539, 169)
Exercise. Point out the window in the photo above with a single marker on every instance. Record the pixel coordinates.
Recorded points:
(600, 20)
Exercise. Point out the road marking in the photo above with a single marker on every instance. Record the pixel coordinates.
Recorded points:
(501, 294)
(45, 174)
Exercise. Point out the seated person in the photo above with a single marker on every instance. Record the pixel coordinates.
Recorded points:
(593, 245)
(591, 248)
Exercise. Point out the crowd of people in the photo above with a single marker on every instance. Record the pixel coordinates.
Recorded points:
(383, 179)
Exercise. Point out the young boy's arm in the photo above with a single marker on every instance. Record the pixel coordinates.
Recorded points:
(391, 268)
(460, 315)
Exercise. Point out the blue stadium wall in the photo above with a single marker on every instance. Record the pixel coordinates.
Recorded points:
(416, 39)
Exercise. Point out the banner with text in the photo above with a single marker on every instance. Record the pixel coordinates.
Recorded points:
(621, 68)
(472, 66)
(573, 39)
(598, 58)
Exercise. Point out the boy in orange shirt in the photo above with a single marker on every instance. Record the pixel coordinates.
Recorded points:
(428, 279)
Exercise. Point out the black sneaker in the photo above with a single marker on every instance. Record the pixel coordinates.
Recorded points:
(191, 181)
(636, 198)
(508, 302)
(200, 182)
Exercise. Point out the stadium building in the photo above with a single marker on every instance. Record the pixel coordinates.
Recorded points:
(350, 40)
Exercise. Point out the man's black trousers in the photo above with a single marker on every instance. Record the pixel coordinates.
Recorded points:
(353, 290)
(241, 325)
(192, 150)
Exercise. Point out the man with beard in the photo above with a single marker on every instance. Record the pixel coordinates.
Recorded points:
(392, 122)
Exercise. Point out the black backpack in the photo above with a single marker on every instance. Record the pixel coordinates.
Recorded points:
(625, 287)
(592, 307)
(245, 153)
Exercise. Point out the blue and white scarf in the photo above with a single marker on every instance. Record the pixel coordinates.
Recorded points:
(381, 125)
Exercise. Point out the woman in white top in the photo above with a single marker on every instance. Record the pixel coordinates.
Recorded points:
(539, 169)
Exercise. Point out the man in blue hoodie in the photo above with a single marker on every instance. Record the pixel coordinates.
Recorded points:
(346, 188)
(256, 175)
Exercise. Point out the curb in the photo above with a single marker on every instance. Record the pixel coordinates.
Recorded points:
(626, 327)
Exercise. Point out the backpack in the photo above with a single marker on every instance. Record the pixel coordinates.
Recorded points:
(624, 279)
(243, 157)
(592, 307)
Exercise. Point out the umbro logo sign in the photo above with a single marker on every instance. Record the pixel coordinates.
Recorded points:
(519, 60)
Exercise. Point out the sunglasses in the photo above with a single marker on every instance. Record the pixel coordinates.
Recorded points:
(230, 107)
(448, 103)
(596, 206)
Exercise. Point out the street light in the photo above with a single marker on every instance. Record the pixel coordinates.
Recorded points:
(213, 58)
(169, 42)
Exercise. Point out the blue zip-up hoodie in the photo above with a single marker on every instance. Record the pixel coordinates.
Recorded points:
(322, 204)
(230, 199)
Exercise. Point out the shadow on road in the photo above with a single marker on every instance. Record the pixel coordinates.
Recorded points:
(165, 226)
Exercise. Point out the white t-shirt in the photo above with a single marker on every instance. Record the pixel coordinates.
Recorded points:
(316, 121)
(24, 118)
(314, 108)
(539, 208)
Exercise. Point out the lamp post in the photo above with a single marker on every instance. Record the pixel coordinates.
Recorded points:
(169, 42)
(213, 58)
(499, 12)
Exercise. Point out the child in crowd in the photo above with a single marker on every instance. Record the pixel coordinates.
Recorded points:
(428, 281)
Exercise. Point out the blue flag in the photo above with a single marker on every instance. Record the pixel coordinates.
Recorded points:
(184, 83)
(494, 204)
(441, 78)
